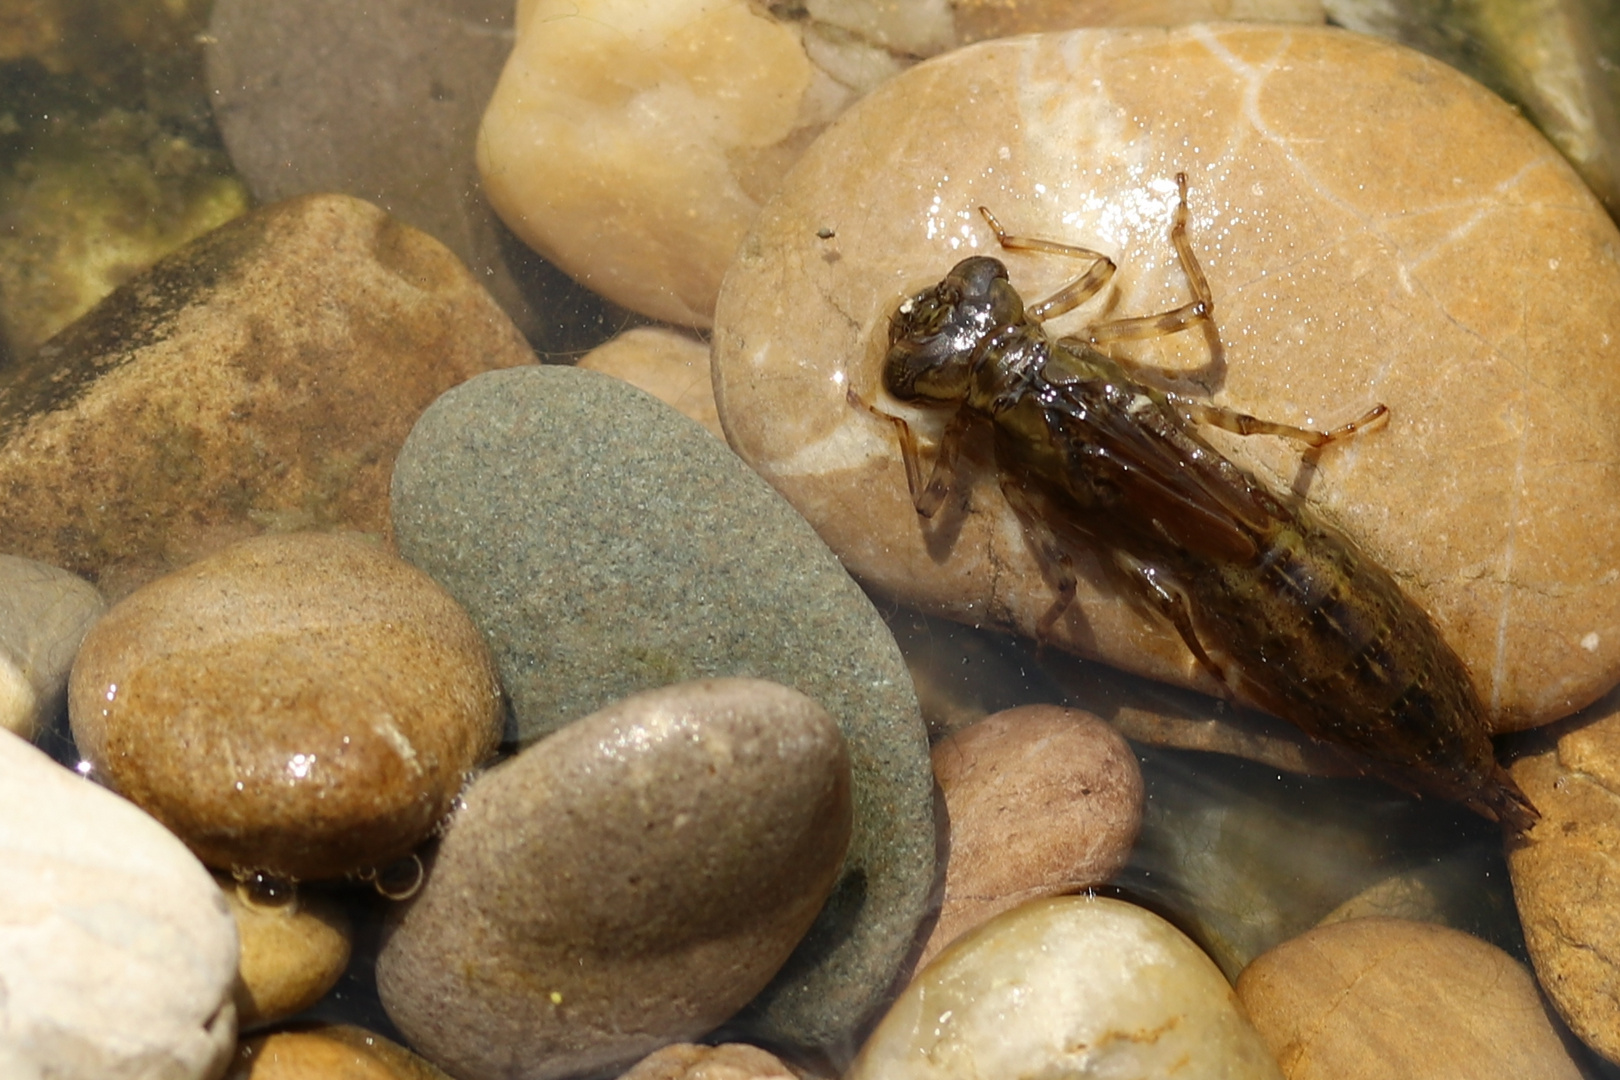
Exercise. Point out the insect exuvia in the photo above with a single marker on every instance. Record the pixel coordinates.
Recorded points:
(1278, 605)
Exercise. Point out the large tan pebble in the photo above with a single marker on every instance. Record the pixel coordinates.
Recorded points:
(328, 1052)
(1566, 874)
(1375, 228)
(1040, 800)
(630, 881)
(672, 367)
(260, 379)
(117, 953)
(303, 704)
(1067, 986)
(1377, 998)
(729, 1061)
(294, 947)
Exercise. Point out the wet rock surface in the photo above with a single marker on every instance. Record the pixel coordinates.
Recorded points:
(1040, 800)
(671, 366)
(1351, 262)
(605, 545)
(1384, 997)
(44, 613)
(295, 943)
(630, 881)
(117, 950)
(302, 704)
(260, 379)
(1566, 873)
(728, 1061)
(1068, 986)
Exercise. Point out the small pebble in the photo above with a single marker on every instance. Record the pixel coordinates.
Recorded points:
(672, 367)
(1041, 800)
(1068, 986)
(303, 704)
(729, 1061)
(294, 947)
(327, 1052)
(44, 613)
(1375, 998)
(117, 952)
(631, 881)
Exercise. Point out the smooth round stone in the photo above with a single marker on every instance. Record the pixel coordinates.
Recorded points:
(1068, 986)
(259, 379)
(303, 704)
(1443, 260)
(1385, 997)
(44, 613)
(294, 948)
(729, 1061)
(117, 950)
(631, 881)
(672, 367)
(1040, 800)
(1566, 874)
(328, 1052)
(605, 545)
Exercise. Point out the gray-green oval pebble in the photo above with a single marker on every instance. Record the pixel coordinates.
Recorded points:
(605, 544)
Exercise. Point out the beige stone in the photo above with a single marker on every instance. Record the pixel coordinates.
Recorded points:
(630, 881)
(729, 1061)
(1375, 228)
(303, 704)
(1068, 986)
(44, 613)
(293, 949)
(1039, 800)
(672, 367)
(1566, 873)
(1376, 998)
(260, 379)
(328, 1052)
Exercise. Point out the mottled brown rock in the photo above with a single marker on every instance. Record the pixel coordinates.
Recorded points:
(627, 882)
(1375, 998)
(328, 1052)
(293, 950)
(729, 1061)
(1041, 800)
(672, 367)
(302, 704)
(1566, 873)
(1375, 228)
(261, 378)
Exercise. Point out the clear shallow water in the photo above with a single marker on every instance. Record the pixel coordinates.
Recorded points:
(1240, 855)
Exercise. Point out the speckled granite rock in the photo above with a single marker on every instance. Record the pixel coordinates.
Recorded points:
(1374, 998)
(44, 613)
(605, 544)
(260, 378)
(117, 952)
(1365, 241)
(630, 881)
(304, 704)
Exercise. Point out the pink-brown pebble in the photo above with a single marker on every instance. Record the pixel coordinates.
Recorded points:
(304, 704)
(1041, 800)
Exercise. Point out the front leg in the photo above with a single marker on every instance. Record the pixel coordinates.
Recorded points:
(929, 497)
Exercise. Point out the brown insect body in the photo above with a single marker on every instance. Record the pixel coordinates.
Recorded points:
(1273, 601)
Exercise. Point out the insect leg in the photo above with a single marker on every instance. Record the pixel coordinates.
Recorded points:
(1054, 561)
(1168, 596)
(1201, 311)
(942, 478)
(1244, 424)
(1073, 294)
